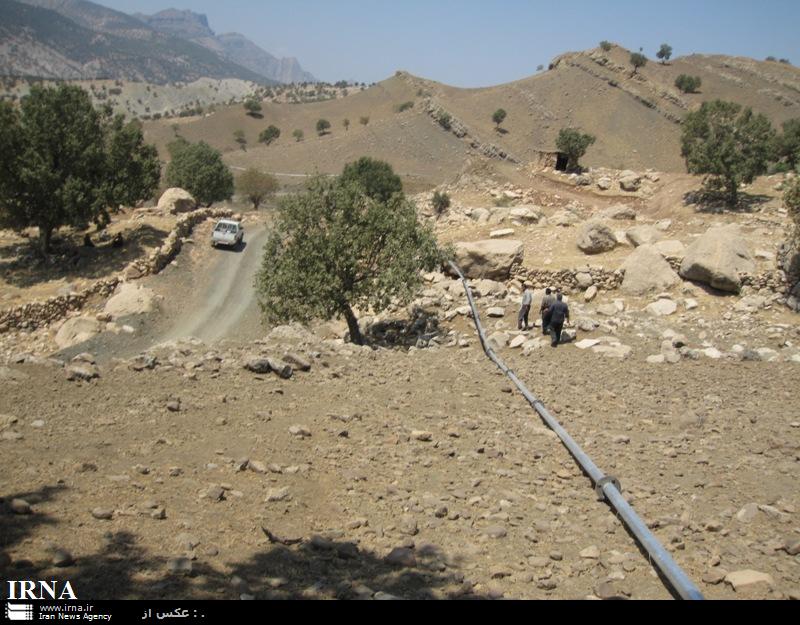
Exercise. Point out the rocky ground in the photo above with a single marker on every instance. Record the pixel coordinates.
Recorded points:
(299, 465)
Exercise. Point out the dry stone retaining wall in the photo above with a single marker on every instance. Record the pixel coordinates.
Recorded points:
(568, 278)
(36, 315)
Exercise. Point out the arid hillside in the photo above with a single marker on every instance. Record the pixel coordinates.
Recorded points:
(636, 118)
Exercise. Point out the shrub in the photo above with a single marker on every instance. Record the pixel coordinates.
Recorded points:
(363, 120)
(445, 120)
(252, 107)
(238, 136)
(440, 202)
(298, 135)
(605, 46)
(688, 84)
(405, 106)
(789, 143)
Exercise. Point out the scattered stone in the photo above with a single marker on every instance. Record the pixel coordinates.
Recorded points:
(745, 579)
(421, 435)
(401, 556)
(662, 308)
(300, 431)
(20, 506)
(297, 361)
(591, 553)
(62, 558)
(595, 237)
(496, 531)
(103, 514)
(496, 312)
(180, 566)
(278, 494)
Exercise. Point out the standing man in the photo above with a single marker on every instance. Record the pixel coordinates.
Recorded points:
(527, 300)
(544, 310)
(559, 313)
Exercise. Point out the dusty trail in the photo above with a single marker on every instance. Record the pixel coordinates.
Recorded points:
(224, 306)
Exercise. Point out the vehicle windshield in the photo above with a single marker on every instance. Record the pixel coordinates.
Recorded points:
(226, 228)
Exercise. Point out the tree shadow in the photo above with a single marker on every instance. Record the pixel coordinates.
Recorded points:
(15, 528)
(69, 259)
(713, 202)
(240, 247)
(418, 330)
(501, 131)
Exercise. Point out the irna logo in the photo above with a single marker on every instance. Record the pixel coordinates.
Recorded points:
(40, 590)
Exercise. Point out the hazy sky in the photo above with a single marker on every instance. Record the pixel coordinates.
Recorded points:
(472, 43)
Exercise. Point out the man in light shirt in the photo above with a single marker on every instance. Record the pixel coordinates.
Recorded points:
(527, 300)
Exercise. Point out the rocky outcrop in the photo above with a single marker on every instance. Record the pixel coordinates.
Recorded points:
(175, 200)
(718, 259)
(130, 299)
(489, 259)
(643, 235)
(77, 330)
(646, 271)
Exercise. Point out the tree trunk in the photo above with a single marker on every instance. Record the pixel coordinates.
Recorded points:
(45, 236)
(352, 325)
(733, 194)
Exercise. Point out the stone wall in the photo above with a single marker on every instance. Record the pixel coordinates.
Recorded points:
(36, 315)
(570, 279)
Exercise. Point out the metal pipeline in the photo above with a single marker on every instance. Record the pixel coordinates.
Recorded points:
(606, 486)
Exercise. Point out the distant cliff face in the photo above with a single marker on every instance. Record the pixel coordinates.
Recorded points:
(234, 46)
(77, 39)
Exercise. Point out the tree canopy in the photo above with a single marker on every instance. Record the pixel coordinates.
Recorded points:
(64, 163)
(270, 134)
(334, 248)
(377, 178)
(323, 125)
(664, 52)
(499, 117)
(256, 186)
(688, 84)
(789, 143)
(638, 60)
(198, 168)
(573, 144)
(732, 146)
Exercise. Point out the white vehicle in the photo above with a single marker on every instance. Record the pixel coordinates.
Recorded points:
(227, 232)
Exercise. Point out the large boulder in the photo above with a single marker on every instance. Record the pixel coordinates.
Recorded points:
(670, 248)
(489, 259)
(646, 271)
(620, 212)
(630, 181)
(718, 258)
(130, 299)
(643, 235)
(524, 215)
(77, 330)
(176, 201)
(595, 237)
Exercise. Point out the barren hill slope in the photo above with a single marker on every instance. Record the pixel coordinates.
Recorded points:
(636, 118)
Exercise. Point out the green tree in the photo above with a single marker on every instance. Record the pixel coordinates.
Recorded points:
(364, 121)
(256, 186)
(688, 84)
(727, 144)
(573, 144)
(323, 125)
(376, 178)
(269, 135)
(252, 107)
(64, 163)
(298, 135)
(445, 120)
(638, 60)
(499, 117)
(238, 136)
(346, 124)
(198, 168)
(132, 166)
(440, 202)
(664, 53)
(789, 143)
(605, 46)
(334, 249)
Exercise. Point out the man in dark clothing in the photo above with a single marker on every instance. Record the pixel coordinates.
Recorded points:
(522, 320)
(559, 313)
(547, 301)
